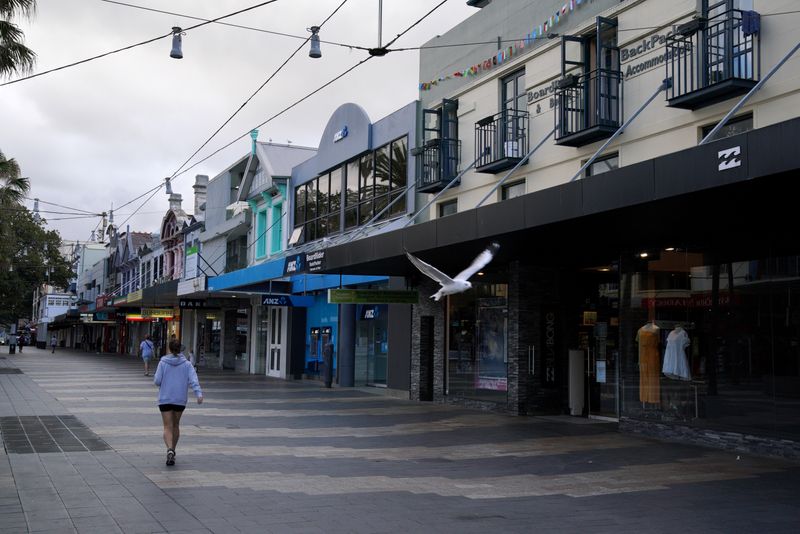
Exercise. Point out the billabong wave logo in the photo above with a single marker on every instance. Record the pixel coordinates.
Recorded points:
(728, 159)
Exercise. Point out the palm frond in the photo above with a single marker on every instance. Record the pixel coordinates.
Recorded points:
(12, 8)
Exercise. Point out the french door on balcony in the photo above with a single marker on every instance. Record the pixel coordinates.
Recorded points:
(514, 107)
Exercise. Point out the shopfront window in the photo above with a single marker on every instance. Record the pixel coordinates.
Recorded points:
(370, 183)
(711, 342)
(477, 356)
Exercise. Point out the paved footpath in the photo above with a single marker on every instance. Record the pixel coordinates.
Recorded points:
(83, 453)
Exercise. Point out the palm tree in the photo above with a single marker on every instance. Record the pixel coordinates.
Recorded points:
(15, 57)
(13, 187)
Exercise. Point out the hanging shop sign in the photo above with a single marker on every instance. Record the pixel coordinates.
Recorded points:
(101, 301)
(191, 304)
(372, 296)
(315, 261)
(158, 313)
(505, 54)
(193, 285)
(135, 296)
(292, 301)
(191, 261)
(294, 264)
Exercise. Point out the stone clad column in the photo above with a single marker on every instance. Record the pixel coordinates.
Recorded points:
(427, 369)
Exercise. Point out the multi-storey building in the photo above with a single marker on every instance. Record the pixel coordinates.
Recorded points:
(648, 277)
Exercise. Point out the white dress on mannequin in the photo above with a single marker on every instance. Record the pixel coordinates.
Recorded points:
(676, 364)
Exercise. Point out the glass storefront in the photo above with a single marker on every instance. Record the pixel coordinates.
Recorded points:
(711, 343)
(372, 344)
(477, 343)
(262, 339)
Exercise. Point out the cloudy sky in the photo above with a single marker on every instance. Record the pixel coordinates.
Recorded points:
(106, 131)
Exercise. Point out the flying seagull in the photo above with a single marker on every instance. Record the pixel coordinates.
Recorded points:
(459, 284)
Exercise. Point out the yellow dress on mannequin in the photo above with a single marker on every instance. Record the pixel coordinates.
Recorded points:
(649, 337)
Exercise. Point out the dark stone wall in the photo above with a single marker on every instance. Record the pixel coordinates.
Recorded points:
(419, 371)
(732, 441)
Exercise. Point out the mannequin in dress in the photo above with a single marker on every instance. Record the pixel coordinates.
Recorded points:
(676, 365)
(649, 337)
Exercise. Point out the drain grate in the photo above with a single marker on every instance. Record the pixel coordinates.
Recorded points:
(10, 371)
(48, 433)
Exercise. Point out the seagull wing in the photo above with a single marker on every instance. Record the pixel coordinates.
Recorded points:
(429, 270)
(479, 262)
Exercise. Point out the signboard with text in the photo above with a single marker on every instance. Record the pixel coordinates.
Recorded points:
(372, 296)
(315, 261)
(292, 301)
(156, 313)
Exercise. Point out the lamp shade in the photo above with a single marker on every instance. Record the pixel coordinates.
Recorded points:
(315, 51)
(177, 40)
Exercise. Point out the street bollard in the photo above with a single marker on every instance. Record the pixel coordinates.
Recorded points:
(327, 360)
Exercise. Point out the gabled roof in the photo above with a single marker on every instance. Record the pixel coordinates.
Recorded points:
(276, 160)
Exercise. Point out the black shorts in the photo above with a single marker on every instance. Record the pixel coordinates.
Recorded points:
(171, 407)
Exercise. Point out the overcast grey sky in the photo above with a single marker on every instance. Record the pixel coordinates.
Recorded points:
(106, 131)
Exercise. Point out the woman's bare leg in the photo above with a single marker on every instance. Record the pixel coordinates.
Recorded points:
(176, 431)
(169, 423)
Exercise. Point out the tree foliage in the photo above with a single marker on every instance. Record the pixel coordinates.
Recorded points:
(13, 186)
(29, 257)
(15, 57)
(29, 253)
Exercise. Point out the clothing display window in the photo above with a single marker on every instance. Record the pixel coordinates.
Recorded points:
(477, 356)
(711, 341)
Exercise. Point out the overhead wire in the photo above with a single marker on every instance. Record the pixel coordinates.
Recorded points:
(309, 95)
(264, 233)
(254, 93)
(241, 26)
(141, 43)
(58, 205)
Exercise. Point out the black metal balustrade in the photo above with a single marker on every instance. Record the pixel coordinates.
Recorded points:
(502, 140)
(588, 106)
(440, 164)
(713, 59)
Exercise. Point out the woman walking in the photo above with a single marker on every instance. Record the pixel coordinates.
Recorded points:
(174, 376)
(146, 351)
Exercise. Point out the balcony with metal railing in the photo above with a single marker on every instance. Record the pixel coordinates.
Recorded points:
(440, 164)
(713, 59)
(502, 140)
(588, 107)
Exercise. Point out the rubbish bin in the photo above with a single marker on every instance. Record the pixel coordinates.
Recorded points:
(327, 360)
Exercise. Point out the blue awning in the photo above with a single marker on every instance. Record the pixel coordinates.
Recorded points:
(256, 278)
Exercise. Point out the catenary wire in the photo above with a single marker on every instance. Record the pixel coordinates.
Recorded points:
(241, 26)
(59, 205)
(309, 95)
(141, 43)
(141, 205)
(22, 209)
(254, 93)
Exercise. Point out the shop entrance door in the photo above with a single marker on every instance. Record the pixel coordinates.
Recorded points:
(277, 335)
(372, 350)
(598, 338)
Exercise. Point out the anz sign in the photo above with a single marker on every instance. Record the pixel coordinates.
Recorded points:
(294, 264)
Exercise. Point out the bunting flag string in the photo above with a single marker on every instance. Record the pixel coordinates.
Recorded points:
(505, 54)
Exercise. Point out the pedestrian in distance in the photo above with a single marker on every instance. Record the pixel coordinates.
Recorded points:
(12, 343)
(21, 342)
(53, 342)
(174, 376)
(146, 351)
